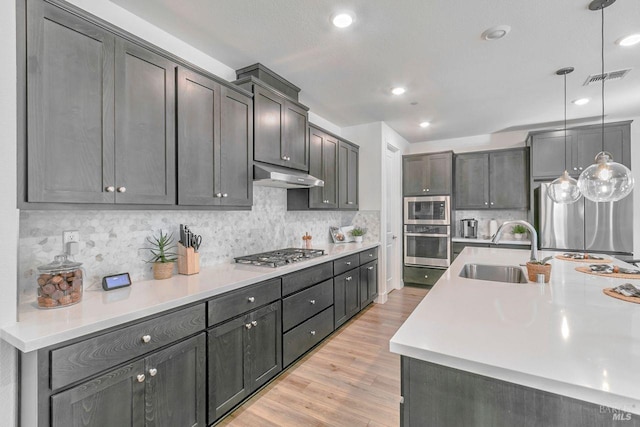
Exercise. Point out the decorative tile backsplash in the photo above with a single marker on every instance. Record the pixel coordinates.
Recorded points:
(111, 241)
(484, 216)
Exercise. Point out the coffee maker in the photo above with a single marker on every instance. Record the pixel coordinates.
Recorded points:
(469, 228)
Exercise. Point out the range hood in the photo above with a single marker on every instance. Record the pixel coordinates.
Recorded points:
(274, 176)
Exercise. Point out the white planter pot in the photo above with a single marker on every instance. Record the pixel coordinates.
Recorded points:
(358, 239)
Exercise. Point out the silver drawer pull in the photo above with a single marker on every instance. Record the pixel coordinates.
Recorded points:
(426, 276)
(110, 189)
(312, 302)
(251, 299)
(140, 378)
(225, 195)
(348, 279)
(153, 372)
(218, 195)
(349, 203)
(348, 262)
(312, 332)
(248, 326)
(370, 268)
(122, 189)
(254, 323)
(371, 255)
(146, 338)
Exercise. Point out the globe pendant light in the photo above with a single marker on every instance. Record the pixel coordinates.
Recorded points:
(564, 190)
(606, 180)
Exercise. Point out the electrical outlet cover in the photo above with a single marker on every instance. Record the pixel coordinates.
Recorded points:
(70, 236)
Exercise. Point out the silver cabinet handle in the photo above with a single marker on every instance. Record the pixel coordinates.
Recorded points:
(424, 189)
(349, 203)
(491, 203)
(122, 189)
(580, 168)
(225, 195)
(140, 378)
(371, 255)
(428, 189)
(370, 268)
(312, 333)
(312, 302)
(575, 169)
(146, 338)
(153, 372)
(348, 262)
(248, 325)
(110, 189)
(251, 299)
(254, 322)
(218, 195)
(485, 203)
(348, 279)
(426, 276)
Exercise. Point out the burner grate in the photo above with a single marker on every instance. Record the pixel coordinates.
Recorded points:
(280, 257)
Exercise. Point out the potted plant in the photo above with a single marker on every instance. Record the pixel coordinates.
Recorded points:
(519, 231)
(535, 267)
(162, 258)
(357, 234)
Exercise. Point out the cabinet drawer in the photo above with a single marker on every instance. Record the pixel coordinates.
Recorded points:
(303, 279)
(85, 358)
(345, 264)
(297, 341)
(369, 255)
(242, 300)
(422, 275)
(303, 305)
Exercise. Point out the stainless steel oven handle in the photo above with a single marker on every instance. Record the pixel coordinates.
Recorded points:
(426, 235)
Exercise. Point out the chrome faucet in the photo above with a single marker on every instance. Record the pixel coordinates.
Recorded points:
(534, 235)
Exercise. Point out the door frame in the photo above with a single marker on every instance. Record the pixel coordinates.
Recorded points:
(392, 210)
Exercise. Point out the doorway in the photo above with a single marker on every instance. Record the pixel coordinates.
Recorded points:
(392, 214)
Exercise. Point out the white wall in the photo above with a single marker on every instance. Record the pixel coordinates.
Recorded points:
(493, 141)
(8, 211)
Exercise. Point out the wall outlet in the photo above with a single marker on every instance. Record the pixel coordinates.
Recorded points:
(69, 237)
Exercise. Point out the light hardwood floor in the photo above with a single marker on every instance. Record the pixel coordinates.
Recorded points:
(349, 380)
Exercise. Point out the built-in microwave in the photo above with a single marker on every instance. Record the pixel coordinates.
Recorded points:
(427, 210)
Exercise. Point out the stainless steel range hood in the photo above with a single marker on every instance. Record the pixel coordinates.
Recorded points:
(274, 176)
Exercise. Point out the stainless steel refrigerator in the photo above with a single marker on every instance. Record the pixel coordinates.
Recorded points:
(584, 225)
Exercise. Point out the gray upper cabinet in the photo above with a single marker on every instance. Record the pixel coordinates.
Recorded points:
(348, 164)
(70, 145)
(215, 128)
(145, 126)
(104, 106)
(550, 157)
(492, 180)
(280, 127)
(323, 164)
(427, 174)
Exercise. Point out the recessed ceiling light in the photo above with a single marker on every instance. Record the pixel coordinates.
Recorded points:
(495, 33)
(398, 90)
(631, 40)
(581, 101)
(425, 124)
(343, 20)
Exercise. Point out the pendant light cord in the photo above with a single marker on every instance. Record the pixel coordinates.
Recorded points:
(565, 110)
(603, 76)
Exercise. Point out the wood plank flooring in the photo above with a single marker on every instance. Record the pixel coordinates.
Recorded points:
(349, 380)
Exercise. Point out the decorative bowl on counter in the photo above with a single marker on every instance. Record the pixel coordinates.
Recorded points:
(60, 283)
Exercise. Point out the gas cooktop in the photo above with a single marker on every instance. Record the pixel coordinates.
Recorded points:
(280, 257)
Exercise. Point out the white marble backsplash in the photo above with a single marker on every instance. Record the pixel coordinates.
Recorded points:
(484, 216)
(111, 241)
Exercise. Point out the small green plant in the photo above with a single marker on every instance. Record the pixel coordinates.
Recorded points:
(519, 229)
(357, 231)
(161, 248)
(543, 261)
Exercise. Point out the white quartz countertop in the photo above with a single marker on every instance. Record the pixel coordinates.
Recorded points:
(37, 328)
(565, 337)
(504, 241)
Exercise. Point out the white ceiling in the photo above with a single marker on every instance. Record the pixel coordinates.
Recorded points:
(461, 83)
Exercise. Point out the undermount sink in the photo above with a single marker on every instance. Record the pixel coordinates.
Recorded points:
(494, 273)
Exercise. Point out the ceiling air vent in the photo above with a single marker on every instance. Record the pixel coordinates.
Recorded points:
(612, 75)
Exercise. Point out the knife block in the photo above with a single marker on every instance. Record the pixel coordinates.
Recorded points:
(188, 260)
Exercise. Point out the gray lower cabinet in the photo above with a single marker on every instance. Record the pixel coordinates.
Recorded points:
(348, 176)
(421, 275)
(100, 115)
(141, 393)
(243, 355)
(346, 291)
(215, 149)
(427, 174)
(492, 180)
(368, 283)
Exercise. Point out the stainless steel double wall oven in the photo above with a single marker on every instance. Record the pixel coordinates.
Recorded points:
(427, 231)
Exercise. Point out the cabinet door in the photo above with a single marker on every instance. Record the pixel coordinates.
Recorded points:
(584, 149)
(347, 176)
(69, 108)
(145, 122)
(198, 139)
(265, 344)
(549, 154)
(323, 164)
(228, 378)
(113, 399)
(617, 141)
(438, 173)
(269, 126)
(414, 179)
(346, 296)
(368, 283)
(175, 392)
(509, 179)
(472, 181)
(589, 143)
(236, 149)
(295, 143)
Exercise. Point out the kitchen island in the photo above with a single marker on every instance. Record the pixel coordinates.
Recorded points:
(481, 353)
